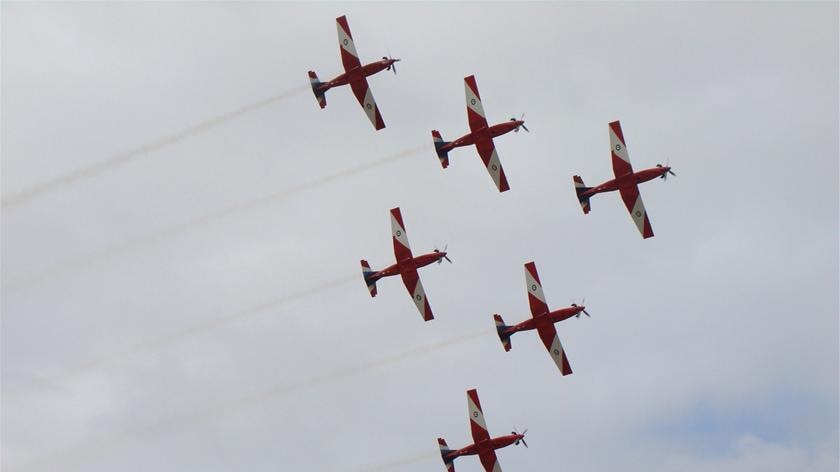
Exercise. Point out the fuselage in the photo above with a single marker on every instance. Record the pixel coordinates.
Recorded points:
(483, 134)
(412, 264)
(488, 445)
(358, 73)
(627, 180)
(550, 317)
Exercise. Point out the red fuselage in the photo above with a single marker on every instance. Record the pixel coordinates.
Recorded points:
(482, 135)
(547, 318)
(487, 445)
(409, 265)
(627, 180)
(357, 73)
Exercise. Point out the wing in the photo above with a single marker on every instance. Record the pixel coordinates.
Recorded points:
(489, 461)
(548, 335)
(477, 424)
(361, 90)
(402, 250)
(349, 56)
(488, 154)
(475, 111)
(633, 202)
(411, 280)
(620, 157)
(536, 298)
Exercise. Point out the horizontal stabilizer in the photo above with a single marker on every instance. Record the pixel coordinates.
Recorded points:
(370, 277)
(500, 329)
(443, 154)
(318, 89)
(580, 189)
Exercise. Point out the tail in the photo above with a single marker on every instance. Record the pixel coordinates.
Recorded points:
(444, 454)
(370, 277)
(580, 188)
(316, 89)
(500, 329)
(443, 155)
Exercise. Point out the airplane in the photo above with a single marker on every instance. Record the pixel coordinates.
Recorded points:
(543, 320)
(484, 446)
(354, 74)
(481, 135)
(406, 266)
(626, 182)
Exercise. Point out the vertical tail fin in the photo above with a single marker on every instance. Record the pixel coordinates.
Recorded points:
(580, 188)
(317, 89)
(442, 154)
(500, 329)
(445, 455)
(370, 277)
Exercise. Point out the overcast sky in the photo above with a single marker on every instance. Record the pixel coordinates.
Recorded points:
(182, 228)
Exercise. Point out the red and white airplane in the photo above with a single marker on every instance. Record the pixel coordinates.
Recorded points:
(484, 446)
(626, 182)
(481, 135)
(406, 266)
(354, 74)
(543, 320)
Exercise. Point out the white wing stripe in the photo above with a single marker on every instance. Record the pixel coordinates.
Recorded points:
(420, 298)
(346, 41)
(399, 233)
(494, 166)
(534, 287)
(476, 415)
(370, 107)
(618, 147)
(638, 214)
(473, 102)
(557, 352)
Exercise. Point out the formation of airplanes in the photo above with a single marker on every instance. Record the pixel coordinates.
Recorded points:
(481, 135)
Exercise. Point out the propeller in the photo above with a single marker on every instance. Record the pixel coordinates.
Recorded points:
(520, 439)
(438, 251)
(393, 65)
(667, 170)
(582, 303)
(522, 118)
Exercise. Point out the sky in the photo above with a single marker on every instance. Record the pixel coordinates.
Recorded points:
(182, 228)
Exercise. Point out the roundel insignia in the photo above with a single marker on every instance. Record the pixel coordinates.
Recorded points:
(638, 213)
(369, 106)
(475, 414)
(418, 297)
(399, 233)
(346, 41)
(494, 167)
(618, 147)
(472, 101)
(556, 352)
(533, 287)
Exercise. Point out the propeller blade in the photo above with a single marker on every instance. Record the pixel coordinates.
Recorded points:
(525, 128)
(586, 313)
(448, 259)
(523, 442)
(672, 172)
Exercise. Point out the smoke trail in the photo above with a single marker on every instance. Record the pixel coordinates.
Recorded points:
(399, 463)
(104, 442)
(247, 205)
(128, 156)
(56, 379)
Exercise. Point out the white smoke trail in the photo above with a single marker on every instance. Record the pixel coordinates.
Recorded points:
(87, 450)
(131, 155)
(396, 464)
(55, 380)
(90, 259)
